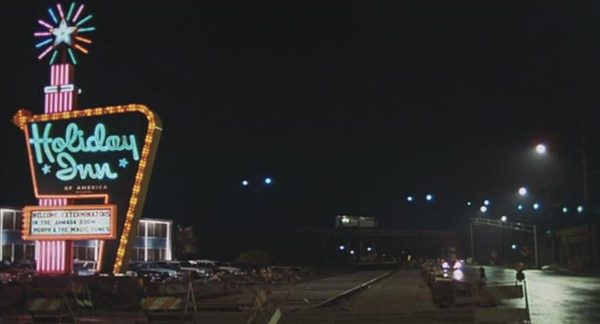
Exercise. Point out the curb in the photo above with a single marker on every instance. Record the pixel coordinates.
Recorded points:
(352, 290)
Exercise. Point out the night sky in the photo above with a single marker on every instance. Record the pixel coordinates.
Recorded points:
(349, 106)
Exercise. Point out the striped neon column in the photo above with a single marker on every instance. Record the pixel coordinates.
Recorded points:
(55, 257)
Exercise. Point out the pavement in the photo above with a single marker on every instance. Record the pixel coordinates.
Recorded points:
(595, 272)
(554, 297)
(402, 297)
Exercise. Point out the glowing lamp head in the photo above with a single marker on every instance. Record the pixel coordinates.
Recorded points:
(429, 197)
(536, 206)
(410, 198)
(445, 265)
(580, 209)
(342, 247)
(369, 249)
(268, 181)
(565, 210)
(245, 183)
(503, 218)
(513, 246)
(540, 149)
(483, 209)
(522, 191)
(486, 202)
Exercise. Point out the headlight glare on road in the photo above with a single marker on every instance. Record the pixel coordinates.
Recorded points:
(458, 275)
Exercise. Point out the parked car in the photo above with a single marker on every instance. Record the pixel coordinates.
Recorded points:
(229, 268)
(182, 267)
(21, 271)
(201, 270)
(153, 268)
(84, 268)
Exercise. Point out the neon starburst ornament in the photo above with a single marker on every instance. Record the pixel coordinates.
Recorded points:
(62, 35)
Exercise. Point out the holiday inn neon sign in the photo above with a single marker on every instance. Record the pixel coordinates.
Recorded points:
(89, 155)
(60, 150)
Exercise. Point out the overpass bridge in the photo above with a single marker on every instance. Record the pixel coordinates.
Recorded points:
(393, 242)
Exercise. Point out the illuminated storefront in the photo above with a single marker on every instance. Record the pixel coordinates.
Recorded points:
(152, 243)
(13, 246)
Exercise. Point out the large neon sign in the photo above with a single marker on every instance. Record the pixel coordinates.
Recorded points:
(101, 154)
(60, 150)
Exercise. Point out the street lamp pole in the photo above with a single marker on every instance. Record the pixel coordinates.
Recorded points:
(586, 199)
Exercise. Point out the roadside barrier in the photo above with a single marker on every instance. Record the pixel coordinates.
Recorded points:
(261, 298)
(161, 303)
(173, 289)
(180, 290)
(492, 295)
(463, 294)
(81, 294)
(166, 310)
(43, 304)
(49, 310)
(442, 291)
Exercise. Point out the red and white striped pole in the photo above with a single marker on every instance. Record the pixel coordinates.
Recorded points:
(56, 257)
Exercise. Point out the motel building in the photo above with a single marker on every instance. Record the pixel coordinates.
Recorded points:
(152, 243)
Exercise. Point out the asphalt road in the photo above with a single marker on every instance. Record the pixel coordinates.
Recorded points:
(402, 297)
(553, 297)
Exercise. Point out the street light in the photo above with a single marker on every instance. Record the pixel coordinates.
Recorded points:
(503, 218)
(483, 209)
(541, 149)
(536, 206)
(429, 197)
(255, 184)
(486, 202)
(410, 198)
(522, 191)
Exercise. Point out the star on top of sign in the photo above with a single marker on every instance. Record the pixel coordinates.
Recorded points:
(123, 163)
(63, 33)
(46, 169)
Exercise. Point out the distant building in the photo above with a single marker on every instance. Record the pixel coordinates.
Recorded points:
(573, 246)
(13, 247)
(355, 221)
(152, 243)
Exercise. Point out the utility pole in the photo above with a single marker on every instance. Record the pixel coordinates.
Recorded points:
(586, 199)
